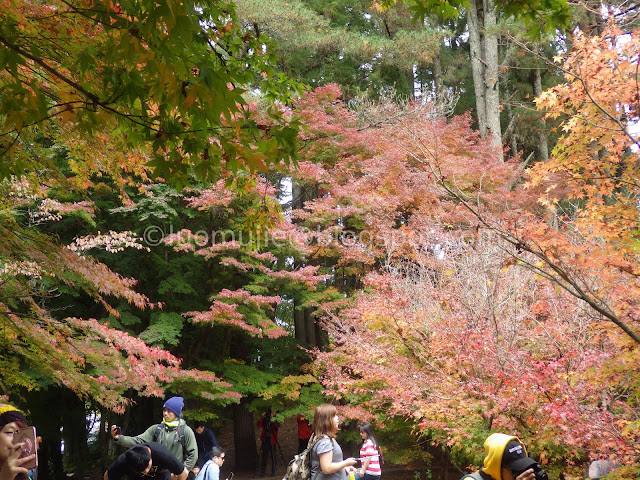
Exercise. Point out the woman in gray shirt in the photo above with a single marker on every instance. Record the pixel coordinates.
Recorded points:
(326, 456)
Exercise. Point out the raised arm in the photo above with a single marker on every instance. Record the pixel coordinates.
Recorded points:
(127, 441)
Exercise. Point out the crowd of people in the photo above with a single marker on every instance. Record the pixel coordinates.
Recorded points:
(171, 450)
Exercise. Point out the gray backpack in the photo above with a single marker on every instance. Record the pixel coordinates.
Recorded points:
(475, 476)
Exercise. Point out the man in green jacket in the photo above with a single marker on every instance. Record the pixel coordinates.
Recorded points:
(173, 433)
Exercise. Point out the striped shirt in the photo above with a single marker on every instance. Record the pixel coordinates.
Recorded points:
(369, 451)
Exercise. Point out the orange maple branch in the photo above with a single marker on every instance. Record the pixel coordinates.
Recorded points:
(95, 100)
(561, 278)
(621, 126)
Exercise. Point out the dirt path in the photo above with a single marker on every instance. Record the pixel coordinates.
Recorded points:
(288, 447)
(288, 443)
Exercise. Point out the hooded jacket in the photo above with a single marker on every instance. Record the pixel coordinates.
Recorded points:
(169, 438)
(494, 446)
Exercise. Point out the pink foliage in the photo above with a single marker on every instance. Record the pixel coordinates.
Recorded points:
(247, 297)
(111, 241)
(53, 210)
(218, 196)
(449, 332)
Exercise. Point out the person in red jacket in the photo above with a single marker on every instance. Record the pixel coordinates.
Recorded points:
(304, 433)
(269, 439)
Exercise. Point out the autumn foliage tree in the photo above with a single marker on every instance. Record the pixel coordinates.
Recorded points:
(168, 76)
(458, 327)
(460, 293)
(100, 95)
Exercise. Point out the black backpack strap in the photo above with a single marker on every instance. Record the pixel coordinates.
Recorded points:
(181, 439)
(156, 434)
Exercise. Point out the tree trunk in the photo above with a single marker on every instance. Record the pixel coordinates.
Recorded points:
(74, 434)
(509, 134)
(48, 421)
(104, 438)
(440, 92)
(305, 325)
(477, 67)
(244, 438)
(483, 42)
(411, 79)
(304, 322)
(491, 84)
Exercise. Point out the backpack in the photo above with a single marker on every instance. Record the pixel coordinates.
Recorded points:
(300, 467)
(179, 430)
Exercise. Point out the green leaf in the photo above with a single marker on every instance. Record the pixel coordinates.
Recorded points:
(175, 284)
(164, 329)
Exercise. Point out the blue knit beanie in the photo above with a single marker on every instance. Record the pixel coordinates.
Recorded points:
(174, 404)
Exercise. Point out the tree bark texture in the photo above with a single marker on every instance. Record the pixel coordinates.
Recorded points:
(483, 42)
(477, 68)
(305, 326)
(438, 83)
(244, 438)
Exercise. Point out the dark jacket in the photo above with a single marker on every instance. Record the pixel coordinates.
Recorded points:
(206, 441)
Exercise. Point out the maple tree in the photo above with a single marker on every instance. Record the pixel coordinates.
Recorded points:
(457, 327)
(206, 304)
(168, 76)
(94, 361)
(219, 258)
(101, 96)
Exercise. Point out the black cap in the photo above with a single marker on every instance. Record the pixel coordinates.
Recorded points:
(515, 459)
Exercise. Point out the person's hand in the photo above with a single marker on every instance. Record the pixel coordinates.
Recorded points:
(14, 464)
(362, 472)
(115, 432)
(527, 475)
(350, 463)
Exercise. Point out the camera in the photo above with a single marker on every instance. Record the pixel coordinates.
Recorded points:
(537, 470)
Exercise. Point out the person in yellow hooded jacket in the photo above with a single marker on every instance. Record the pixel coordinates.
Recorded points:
(506, 460)
(12, 455)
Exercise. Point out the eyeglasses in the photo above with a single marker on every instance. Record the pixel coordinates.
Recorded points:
(221, 458)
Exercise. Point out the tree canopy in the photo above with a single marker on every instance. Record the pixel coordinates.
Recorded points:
(178, 215)
(167, 76)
